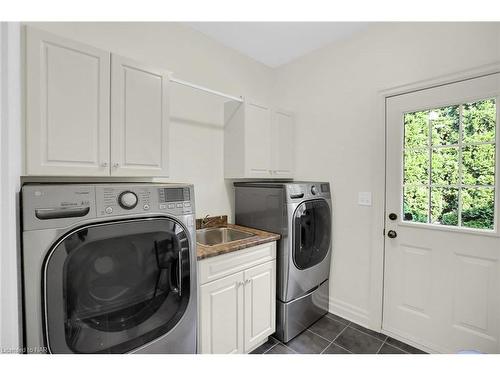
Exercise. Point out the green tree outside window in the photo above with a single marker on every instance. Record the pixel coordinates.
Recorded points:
(449, 165)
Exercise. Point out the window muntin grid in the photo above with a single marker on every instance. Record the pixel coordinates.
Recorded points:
(449, 165)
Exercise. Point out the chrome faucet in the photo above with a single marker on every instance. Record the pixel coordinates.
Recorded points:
(207, 220)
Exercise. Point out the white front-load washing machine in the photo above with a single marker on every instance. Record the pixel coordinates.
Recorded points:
(109, 268)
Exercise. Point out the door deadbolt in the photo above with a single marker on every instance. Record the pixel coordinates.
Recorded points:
(393, 216)
(392, 234)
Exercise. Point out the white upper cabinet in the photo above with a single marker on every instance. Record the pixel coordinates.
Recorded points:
(92, 113)
(67, 103)
(283, 144)
(139, 119)
(258, 141)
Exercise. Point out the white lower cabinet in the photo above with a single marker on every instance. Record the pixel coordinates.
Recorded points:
(237, 311)
(259, 304)
(221, 315)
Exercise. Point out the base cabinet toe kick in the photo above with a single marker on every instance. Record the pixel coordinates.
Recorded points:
(237, 307)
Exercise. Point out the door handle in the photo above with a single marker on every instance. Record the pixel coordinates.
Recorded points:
(179, 274)
(393, 216)
(392, 234)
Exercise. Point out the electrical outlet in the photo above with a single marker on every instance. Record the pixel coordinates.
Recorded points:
(365, 198)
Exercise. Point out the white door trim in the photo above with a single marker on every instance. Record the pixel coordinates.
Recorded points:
(377, 262)
(10, 171)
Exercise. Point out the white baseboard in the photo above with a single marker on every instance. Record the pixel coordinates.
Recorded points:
(348, 311)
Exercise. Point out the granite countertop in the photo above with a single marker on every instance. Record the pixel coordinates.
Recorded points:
(204, 251)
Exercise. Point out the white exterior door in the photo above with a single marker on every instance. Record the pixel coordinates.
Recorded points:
(67, 107)
(442, 247)
(258, 140)
(139, 119)
(260, 304)
(283, 144)
(221, 315)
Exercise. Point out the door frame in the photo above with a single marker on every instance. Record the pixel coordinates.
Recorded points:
(11, 169)
(377, 266)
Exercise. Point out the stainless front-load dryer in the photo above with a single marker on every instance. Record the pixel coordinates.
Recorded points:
(109, 268)
(301, 213)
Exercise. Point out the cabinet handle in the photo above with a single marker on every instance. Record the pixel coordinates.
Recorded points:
(247, 281)
(116, 165)
(104, 164)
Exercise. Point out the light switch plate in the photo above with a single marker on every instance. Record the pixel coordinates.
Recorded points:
(365, 198)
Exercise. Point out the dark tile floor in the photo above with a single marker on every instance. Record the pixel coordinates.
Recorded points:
(335, 335)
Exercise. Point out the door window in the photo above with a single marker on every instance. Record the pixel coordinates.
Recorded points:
(312, 233)
(115, 287)
(449, 165)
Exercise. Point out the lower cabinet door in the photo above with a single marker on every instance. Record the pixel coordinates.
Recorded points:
(260, 304)
(221, 315)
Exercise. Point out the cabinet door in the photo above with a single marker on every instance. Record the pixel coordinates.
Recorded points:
(139, 119)
(260, 304)
(67, 107)
(221, 315)
(257, 141)
(283, 144)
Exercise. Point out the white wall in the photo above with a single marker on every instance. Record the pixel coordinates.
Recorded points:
(196, 120)
(334, 92)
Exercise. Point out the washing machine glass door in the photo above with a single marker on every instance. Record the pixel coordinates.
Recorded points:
(312, 227)
(113, 287)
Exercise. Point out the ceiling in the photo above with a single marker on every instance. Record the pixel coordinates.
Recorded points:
(277, 43)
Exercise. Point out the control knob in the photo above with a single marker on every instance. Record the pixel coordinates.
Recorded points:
(314, 190)
(127, 200)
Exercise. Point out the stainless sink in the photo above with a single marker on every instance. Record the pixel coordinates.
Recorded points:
(216, 236)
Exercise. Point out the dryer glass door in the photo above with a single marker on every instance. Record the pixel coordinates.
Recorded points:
(312, 228)
(111, 288)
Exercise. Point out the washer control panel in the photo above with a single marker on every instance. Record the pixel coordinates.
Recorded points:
(127, 200)
(307, 190)
(48, 206)
(120, 199)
